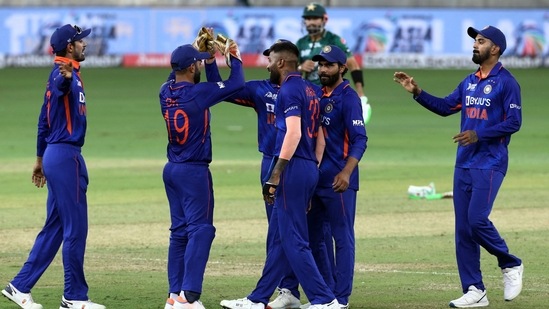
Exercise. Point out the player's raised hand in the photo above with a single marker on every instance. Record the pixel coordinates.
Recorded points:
(407, 82)
(228, 48)
(204, 41)
(65, 69)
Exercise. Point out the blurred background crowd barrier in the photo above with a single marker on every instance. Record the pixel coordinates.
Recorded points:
(413, 34)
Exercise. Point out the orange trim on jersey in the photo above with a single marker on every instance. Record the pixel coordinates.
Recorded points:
(245, 102)
(67, 113)
(75, 64)
(346, 145)
(205, 125)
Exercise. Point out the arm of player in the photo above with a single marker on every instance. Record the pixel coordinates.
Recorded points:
(356, 75)
(342, 179)
(320, 145)
(289, 145)
(446, 106)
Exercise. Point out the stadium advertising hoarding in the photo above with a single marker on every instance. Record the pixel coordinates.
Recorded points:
(380, 37)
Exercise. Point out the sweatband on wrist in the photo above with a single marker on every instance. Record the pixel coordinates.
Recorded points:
(357, 76)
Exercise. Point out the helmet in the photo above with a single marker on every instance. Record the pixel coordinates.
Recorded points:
(314, 10)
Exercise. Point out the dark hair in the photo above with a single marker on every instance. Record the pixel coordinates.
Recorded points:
(283, 45)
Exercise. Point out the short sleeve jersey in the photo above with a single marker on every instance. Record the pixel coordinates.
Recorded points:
(297, 97)
(308, 49)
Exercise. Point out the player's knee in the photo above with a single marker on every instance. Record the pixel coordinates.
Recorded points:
(205, 232)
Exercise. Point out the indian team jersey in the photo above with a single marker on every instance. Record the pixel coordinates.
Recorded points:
(344, 131)
(297, 97)
(186, 109)
(308, 48)
(261, 96)
(490, 105)
(63, 115)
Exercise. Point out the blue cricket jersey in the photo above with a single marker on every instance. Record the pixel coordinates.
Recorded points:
(261, 96)
(490, 105)
(344, 131)
(63, 115)
(186, 110)
(298, 97)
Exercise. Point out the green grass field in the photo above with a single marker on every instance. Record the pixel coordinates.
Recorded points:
(405, 249)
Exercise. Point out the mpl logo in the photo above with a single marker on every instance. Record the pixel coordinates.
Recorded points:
(358, 123)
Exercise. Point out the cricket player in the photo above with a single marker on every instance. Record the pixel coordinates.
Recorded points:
(334, 199)
(291, 185)
(315, 18)
(490, 104)
(185, 104)
(60, 165)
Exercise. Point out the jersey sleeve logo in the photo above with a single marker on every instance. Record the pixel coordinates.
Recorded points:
(221, 85)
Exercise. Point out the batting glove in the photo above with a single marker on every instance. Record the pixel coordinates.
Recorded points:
(366, 109)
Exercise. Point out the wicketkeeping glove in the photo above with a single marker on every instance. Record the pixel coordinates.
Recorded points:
(228, 48)
(204, 41)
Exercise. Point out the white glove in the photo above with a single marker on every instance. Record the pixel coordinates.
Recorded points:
(366, 109)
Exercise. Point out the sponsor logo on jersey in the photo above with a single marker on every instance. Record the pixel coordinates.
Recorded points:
(470, 101)
(271, 95)
(471, 87)
(513, 105)
(291, 108)
(358, 123)
(221, 85)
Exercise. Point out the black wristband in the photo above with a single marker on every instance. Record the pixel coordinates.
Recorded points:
(357, 77)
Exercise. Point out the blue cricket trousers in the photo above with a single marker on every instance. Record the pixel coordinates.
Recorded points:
(474, 193)
(190, 195)
(340, 210)
(66, 223)
(290, 248)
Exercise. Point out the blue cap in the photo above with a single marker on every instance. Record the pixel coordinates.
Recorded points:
(492, 33)
(331, 53)
(185, 55)
(65, 35)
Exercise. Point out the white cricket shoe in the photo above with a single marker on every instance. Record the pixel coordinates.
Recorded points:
(23, 300)
(242, 303)
(79, 304)
(305, 306)
(473, 298)
(169, 303)
(182, 303)
(512, 282)
(284, 300)
(331, 305)
(344, 306)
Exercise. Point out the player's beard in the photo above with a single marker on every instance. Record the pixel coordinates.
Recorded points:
(329, 80)
(274, 77)
(314, 29)
(479, 57)
(196, 76)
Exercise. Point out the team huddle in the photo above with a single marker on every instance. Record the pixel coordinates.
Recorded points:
(312, 136)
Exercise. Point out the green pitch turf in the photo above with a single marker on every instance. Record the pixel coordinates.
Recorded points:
(405, 250)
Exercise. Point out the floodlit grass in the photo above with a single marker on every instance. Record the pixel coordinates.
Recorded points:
(405, 249)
